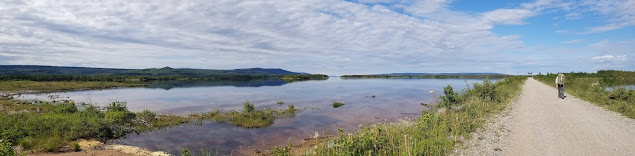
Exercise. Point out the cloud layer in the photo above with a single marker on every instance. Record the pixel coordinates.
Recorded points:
(317, 36)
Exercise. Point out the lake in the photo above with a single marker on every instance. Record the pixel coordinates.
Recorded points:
(394, 99)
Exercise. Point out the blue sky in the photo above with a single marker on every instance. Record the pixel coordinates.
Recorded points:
(323, 36)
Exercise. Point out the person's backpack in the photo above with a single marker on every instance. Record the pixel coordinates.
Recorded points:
(560, 78)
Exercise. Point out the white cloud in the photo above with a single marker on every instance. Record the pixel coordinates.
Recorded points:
(425, 7)
(610, 58)
(574, 41)
(507, 16)
(572, 16)
(620, 13)
(311, 36)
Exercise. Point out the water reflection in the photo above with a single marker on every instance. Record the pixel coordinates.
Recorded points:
(394, 98)
(167, 85)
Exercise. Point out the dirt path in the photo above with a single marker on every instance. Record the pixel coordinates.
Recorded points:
(540, 123)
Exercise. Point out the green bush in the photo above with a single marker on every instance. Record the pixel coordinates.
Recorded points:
(66, 108)
(248, 107)
(146, 116)
(117, 106)
(291, 109)
(119, 117)
(620, 94)
(185, 152)
(6, 149)
(91, 112)
(337, 104)
(449, 98)
(76, 147)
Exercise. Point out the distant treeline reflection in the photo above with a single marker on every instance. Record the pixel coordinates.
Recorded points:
(143, 78)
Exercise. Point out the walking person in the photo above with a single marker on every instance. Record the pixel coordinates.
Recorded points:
(560, 85)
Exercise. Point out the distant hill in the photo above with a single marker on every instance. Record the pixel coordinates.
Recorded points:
(416, 74)
(166, 71)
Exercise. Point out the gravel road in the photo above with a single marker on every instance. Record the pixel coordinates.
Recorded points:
(540, 123)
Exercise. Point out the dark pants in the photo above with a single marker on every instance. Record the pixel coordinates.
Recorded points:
(561, 91)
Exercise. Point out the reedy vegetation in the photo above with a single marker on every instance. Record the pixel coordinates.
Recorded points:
(592, 87)
(430, 134)
(47, 126)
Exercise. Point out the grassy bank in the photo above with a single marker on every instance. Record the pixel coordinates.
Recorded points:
(592, 87)
(430, 134)
(51, 127)
(422, 76)
(17, 86)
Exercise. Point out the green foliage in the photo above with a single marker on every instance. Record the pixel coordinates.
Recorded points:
(66, 108)
(202, 152)
(429, 134)
(429, 76)
(120, 117)
(621, 94)
(337, 104)
(450, 98)
(305, 77)
(291, 109)
(117, 106)
(485, 91)
(280, 102)
(6, 149)
(282, 150)
(57, 124)
(248, 107)
(146, 116)
(185, 152)
(76, 147)
(594, 87)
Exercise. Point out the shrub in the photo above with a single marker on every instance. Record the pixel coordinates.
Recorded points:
(280, 102)
(291, 108)
(117, 106)
(5, 148)
(91, 111)
(119, 117)
(146, 115)
(450, 98)
(337, 104)
(185, 152)
(620, 94)
(248, 107)
(76, 147)
(65, 108)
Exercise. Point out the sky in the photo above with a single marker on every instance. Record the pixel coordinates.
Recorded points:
(323, 36)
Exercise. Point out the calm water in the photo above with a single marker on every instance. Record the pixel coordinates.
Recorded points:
(395, 98)
(611, 88)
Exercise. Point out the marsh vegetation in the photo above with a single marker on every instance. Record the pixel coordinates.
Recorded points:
(48, 126)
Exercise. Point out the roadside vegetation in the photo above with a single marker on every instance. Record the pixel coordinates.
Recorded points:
(604, 88)
(430, 134)
(421, 76)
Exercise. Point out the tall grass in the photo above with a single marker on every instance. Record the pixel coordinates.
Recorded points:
(430, 134)
(594, 90)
